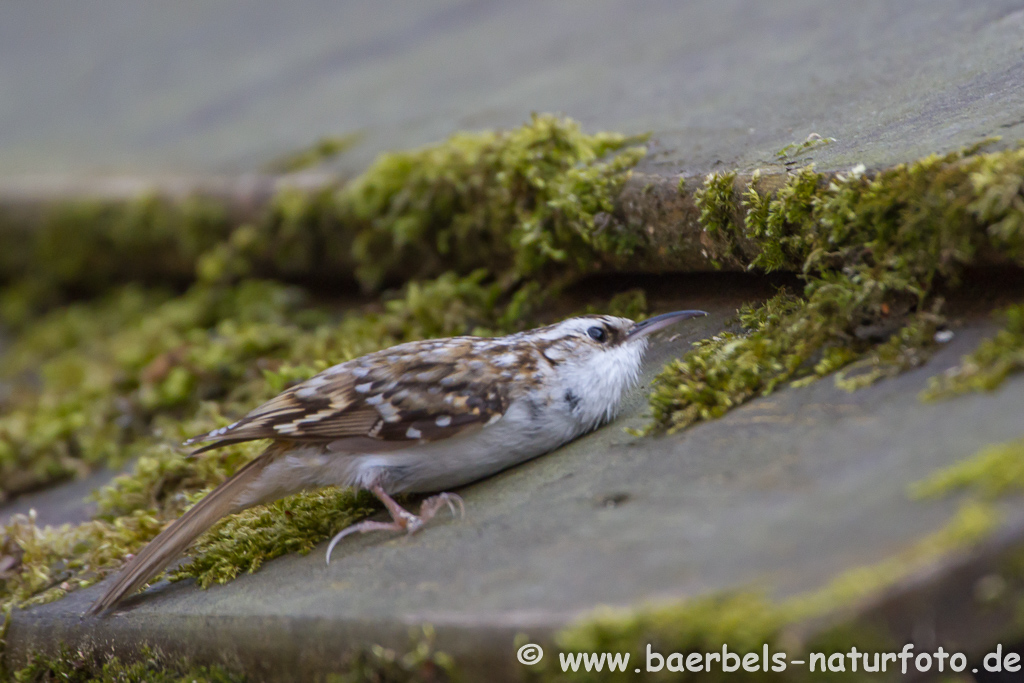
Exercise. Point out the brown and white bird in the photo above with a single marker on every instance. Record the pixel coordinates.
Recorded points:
(420, 417)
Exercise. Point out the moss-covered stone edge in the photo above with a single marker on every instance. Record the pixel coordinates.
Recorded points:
(419, 662)
(81, 666)
(831, 618)
(919, 222)
(532, 200)
(987, 366)
(993, 472)
(872, 250)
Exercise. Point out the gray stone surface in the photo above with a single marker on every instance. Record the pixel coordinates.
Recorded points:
(64, 504)
(780, 495)
(117, 86)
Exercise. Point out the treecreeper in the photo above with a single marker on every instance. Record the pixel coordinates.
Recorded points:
(421, 417)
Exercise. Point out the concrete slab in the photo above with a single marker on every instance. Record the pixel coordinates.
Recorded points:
(121, 87)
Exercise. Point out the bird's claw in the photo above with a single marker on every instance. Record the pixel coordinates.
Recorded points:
(402, 519)
(360, 528)
(431, 505)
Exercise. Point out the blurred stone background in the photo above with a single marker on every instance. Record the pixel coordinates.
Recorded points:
(118, 87)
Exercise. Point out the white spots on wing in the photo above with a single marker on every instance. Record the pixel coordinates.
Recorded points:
(413, 433)
(340, 400)
(476, 364)
(287, 428)
(494, 418)
(375, 400)
(506, 360)
(377, 426)
(316, 417)
(443, 420)
(388, 412)
(434, 390)
(364, 388)
(430, 376)
(358, 372)
(306, 392)
(222, 430)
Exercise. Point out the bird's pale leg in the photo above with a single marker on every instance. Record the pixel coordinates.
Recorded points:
(400, 517)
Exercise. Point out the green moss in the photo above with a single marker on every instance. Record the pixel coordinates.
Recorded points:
(795, 149)
(871, 250)
(44, 564)
(243, 542)
(718, 213)
(745, 621)
(992, 472)
(985, 368)
(323, 150)
(908, 347)
(748, 621)
(90, 380)
(85, 247)
(88, 667)
(518, 202)
(972, 524)
(421, 662)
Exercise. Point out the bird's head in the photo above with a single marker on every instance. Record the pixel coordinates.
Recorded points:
(598, 357)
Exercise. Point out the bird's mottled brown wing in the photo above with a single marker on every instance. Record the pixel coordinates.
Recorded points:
(425, 390)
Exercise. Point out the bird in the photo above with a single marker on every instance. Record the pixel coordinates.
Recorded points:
(421, 417)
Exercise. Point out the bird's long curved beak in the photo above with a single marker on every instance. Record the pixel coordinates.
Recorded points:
(659, 322)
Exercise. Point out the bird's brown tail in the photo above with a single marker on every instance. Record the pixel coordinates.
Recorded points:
(170, 542)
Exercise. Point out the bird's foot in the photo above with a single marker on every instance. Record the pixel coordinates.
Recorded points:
(401, 519)
(431, 505)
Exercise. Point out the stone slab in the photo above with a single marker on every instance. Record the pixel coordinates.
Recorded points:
(780, 495)
(122, 87)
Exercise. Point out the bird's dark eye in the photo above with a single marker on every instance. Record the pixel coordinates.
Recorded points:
(597, 333)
